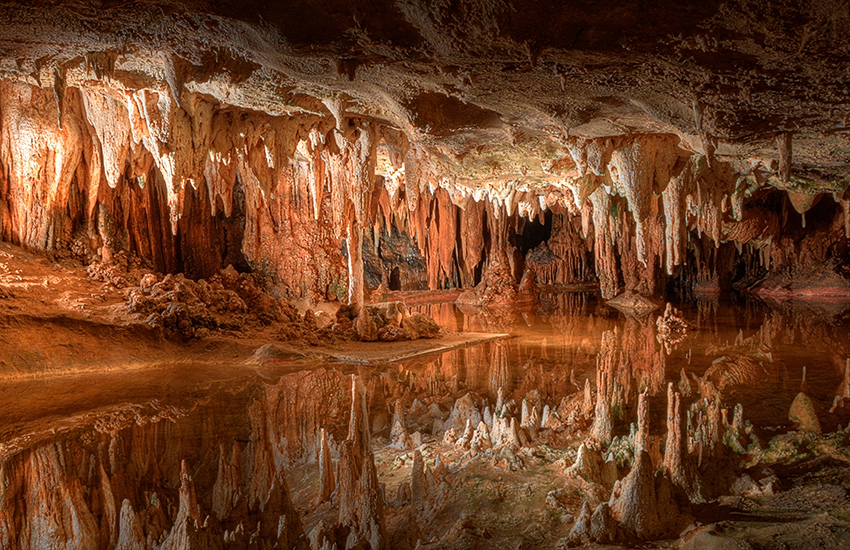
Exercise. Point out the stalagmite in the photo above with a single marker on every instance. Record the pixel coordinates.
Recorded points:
(803, 414)
(634, 503)
(587, 402)
(587, 465)
(481, 440)
(580, 532)
(466, 438)
(130, 534)
(603, 527)
(418, 482)
(511, 437)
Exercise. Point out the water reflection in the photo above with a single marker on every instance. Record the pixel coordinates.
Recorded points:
(231, 462)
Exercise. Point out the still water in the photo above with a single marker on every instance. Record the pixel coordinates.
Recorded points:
(88, 459)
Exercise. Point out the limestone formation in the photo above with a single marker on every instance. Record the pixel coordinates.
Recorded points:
(326, 473)
(803, 414)
(677, 465)
(229, 196)
(642, 437)
(400, 438)
(359, 497)
(600, 431)
(588, 465)
(637, 505)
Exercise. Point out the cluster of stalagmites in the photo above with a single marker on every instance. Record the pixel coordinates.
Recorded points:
(230, 301)
(672, 327)
(387, 322)
(227, 301)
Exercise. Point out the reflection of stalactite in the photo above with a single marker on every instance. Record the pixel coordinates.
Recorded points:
(359, 498)
(606, 363)
(326, 475)
(704, 430)
(500, 369)
(134, 483)
(643, 357)
(677, 463)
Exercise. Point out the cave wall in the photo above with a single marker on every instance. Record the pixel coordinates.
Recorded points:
(187, 184)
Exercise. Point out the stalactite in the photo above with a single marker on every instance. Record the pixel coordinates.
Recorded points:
(301, 182)
(471, 237)
(632, 170)
(354, 239)
(563, 259)
(446, 228)
(783, 143)
(675, 217)
(603, 249)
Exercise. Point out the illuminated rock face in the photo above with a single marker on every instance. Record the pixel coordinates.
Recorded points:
(208, 135)
(196, 188)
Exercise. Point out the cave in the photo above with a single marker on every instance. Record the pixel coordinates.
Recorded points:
(424, 275)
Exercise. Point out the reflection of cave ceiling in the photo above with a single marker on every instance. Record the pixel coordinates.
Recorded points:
(505, 78)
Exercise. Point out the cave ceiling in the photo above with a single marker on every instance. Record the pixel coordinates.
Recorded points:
(494, 90)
